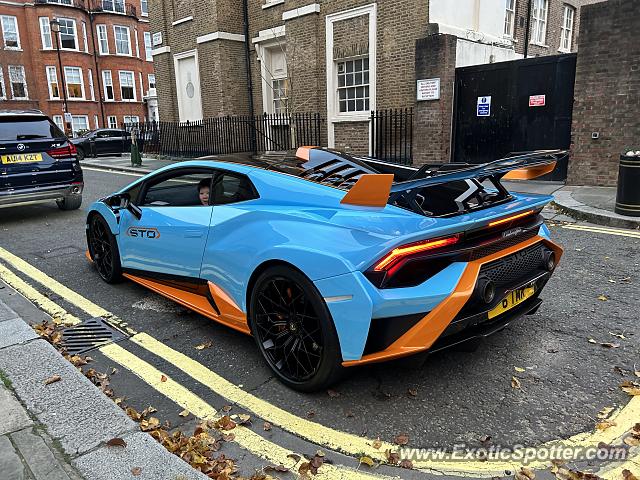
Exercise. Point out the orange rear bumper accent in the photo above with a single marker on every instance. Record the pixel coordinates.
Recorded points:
(424, 334)
(230, 314)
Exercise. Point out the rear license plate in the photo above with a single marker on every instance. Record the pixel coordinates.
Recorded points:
(22, 158)
(513, 298)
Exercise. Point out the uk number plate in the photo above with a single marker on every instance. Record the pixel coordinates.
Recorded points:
(513, 298)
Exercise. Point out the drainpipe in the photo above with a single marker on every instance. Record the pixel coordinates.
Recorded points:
(528, 30)
(247, 59)
(95, 63)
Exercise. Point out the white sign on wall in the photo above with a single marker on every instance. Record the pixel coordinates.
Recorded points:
(157, 39)
(484, 106)
(428, 89)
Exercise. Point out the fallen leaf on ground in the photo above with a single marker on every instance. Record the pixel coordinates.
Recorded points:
(618, 335)
(116, 442)
(392, 457)
(163, 378)
(401, 439)
(610, 345)
(333, 393)
(413, 392)
(519, 369)
(52, 379)
(602, 426)
(632, 441)
(627, 475)
(367, 460)
(515, 383)
(266, 427)
(592, 340)
(227, 408)
(274, 468)
(637, 373)
(632, 388)
(525, 473)
(377, 443)
(243, 419)
(406, 464)
(604, 413)
(603, 298)
(204, 345)
(136, 471)
(184, 413)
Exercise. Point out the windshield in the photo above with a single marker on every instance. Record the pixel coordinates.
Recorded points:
(18, 128)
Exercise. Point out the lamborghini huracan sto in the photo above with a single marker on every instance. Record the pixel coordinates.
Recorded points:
(330, 260)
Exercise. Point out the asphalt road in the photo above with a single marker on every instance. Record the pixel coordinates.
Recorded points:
(455, 397)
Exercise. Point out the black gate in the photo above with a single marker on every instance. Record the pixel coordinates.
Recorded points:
(514, 106)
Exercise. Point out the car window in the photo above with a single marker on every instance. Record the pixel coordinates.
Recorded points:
(180, 190)
(232, 188)
(27, 127)
(115, 133)
(103, 134)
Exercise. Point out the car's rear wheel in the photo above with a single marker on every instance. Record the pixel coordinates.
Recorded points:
(294, 330)
(103, 249)
(70, 202)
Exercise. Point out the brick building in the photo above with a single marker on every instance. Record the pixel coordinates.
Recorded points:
(342, 58)
(105, 53)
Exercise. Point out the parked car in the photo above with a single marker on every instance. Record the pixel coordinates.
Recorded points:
(333, 261)
(103, 141)
(38, 163)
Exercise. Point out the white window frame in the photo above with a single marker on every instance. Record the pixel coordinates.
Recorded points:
(73, 129)
(112, 121)
(566, 29)
(333, 113)
(539, 18)
(66, 80)
(4, 35)
(3, 91)
(144, 8)
(355, 86)
(100, 30)
(115, 36)
(84, 36)
(24, 76)
(133, 80)
(130, 119)
(509, 12)
(45, 33)
(52, 71)
(75, 36)
(57, 119)
(149, 75)
(105, 83)
(91, 89)
(95, 121)
(148, 46)
(141, 85)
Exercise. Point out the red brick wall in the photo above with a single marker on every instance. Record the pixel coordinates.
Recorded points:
(607, 92)
(35, 60)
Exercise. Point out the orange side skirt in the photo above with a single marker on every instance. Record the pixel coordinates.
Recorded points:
(230, 314)
(422, 335)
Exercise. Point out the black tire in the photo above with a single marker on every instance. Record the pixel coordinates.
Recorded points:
(80, 153)
(70, 202)
(103, 249)
(313, 361)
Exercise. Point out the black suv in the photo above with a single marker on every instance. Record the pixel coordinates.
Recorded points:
(37, 161)
(102, 141)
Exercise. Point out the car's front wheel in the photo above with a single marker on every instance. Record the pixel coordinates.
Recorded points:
(103, 249)
(294, 330)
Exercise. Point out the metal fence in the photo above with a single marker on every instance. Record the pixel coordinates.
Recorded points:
(225, 135)
(392, 135)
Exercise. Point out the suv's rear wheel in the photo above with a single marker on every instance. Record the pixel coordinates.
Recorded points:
(103, 249)
(70, 202)
(294, 330)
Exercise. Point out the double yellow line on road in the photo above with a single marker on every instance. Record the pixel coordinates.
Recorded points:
(258, 445)
(603, 230)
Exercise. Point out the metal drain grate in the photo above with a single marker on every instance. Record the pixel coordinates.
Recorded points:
(90, 334)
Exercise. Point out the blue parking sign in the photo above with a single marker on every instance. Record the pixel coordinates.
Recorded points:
(484, 106)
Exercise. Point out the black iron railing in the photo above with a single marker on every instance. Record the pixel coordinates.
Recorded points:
(231, 134)
(392, 135)
(69, 3)
(114, 6)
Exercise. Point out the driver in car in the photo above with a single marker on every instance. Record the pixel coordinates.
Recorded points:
(203, 191)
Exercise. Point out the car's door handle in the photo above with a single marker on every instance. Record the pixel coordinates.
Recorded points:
(193, 234)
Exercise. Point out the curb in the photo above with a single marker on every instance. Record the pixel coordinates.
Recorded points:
(75, 414)
(564, 201)
(118, 168)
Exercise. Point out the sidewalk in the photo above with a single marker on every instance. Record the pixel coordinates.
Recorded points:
(592, 204)
(59, 430)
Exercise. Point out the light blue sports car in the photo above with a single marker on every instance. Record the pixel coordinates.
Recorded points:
(331, 260)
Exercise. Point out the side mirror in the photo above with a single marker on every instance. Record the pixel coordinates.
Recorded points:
(122, 201)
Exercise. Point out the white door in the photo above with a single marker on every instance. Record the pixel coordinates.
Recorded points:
(188, 87)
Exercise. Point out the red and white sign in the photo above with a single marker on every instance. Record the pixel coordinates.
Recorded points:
(537, 100)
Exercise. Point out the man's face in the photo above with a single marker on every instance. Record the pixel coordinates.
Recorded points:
(204, 195)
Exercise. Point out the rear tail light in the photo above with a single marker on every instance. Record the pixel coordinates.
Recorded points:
(63, 152)
(511, 218)
(400, 253)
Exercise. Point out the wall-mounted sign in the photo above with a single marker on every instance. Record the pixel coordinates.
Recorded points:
(428, 89)
(68, 117)
(157, 39)
(537, 100)
(484, 107)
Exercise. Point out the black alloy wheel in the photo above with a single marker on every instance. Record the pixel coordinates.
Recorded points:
(104, 250)
(294, 330)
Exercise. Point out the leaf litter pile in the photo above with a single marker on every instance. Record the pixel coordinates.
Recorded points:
(201, 450)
